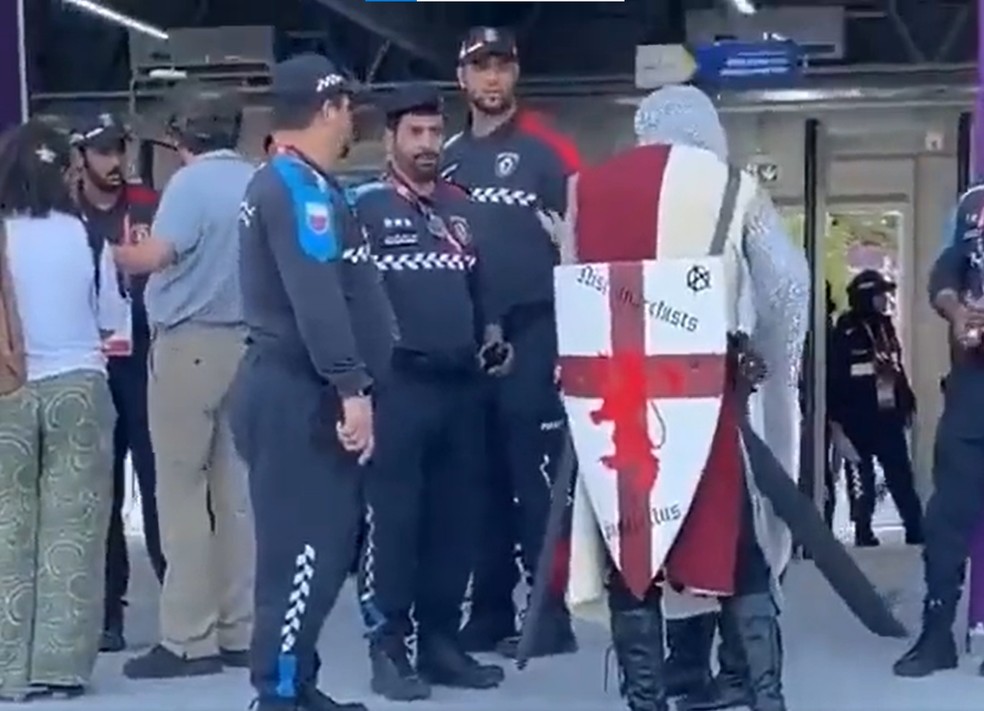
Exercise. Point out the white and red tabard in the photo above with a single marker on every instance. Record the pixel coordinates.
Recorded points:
(642, 220)
(643, 349)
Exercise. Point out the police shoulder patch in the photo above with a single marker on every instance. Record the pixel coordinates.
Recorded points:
(314, 215)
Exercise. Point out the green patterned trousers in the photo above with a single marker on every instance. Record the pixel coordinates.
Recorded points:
(55, 497)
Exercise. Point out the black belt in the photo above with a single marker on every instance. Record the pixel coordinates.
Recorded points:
(443, 364)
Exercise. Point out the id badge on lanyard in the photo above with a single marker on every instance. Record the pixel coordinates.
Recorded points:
(885, 390)
(886, 370)
(436, 224)
(119, 344)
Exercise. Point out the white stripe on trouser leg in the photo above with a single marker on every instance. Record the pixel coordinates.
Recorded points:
(300, 591)
(297, 602)
(467, 601)
(371, 614)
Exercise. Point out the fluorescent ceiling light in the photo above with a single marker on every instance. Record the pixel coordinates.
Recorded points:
(745, 7)
(106, 13)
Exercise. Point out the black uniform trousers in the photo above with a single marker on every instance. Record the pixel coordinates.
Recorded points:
(307, 503)
(882, 435)
(421, 499)
(526, 426)
(131, 435)
(957, 504)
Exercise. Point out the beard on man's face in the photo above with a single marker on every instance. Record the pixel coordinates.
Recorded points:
(421, 166)
(109, 181)
(491, 103)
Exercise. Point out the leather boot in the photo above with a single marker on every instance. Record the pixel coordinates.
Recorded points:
(935, 649)
(688, 663)
(864, 536)
(730, 687)
(637, 637)
(757, 622)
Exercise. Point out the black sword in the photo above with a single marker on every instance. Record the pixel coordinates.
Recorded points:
(559, 493)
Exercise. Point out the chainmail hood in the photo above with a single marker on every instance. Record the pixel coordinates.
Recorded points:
(681, 114)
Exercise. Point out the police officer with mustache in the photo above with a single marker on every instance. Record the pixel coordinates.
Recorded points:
(423, 485)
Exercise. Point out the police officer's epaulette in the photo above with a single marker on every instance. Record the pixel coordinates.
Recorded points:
(356, 192)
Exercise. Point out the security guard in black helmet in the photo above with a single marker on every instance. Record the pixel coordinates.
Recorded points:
(872, 402)
(422, 490)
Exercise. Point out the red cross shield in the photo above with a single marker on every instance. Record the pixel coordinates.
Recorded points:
(643, 353)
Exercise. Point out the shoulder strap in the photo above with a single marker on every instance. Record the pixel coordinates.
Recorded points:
(727, 213)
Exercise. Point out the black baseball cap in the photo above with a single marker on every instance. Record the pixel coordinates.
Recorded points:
(412, 97)
(871, 281)
(310, 79)
(101, 132)
(483, 42)
(968, 221)
(207, 115)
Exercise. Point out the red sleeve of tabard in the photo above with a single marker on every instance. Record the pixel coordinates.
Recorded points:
(537, 125)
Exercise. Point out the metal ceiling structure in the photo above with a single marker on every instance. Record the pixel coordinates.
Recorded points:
(566, 47)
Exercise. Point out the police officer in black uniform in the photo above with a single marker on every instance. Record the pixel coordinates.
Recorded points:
(422, 489)
(515, 167)
(117, 211)
(957, 504)
(320, 332)
(872, 402)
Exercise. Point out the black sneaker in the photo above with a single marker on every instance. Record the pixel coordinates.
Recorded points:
(315, 700)
(393, 676)
(161, 663)
(865, 538)
(112, 641)
(55, 691)
(235, 658)
(442, 662)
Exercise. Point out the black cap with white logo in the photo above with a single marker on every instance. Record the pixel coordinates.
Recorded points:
(100, 132)
(483, 42)
(309, 79)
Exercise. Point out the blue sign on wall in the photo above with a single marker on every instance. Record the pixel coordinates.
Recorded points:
(12, 68)
(735, 64)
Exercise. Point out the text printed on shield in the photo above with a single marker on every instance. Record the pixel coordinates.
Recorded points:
(658, 310)
(633, 525)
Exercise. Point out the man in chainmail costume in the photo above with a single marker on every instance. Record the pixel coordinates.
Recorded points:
(681, 136)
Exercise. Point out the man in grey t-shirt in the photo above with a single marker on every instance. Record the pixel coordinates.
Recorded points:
(194, 308)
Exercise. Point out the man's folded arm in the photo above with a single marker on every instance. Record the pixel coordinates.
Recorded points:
(309, 259)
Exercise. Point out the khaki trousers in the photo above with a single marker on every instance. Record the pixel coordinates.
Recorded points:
(206, 602)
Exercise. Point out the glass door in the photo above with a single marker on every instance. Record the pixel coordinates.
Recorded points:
(859, 238)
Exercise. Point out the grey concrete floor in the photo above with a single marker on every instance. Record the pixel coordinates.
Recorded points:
(831, 661)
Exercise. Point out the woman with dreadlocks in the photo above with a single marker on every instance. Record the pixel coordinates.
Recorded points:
(56, 423)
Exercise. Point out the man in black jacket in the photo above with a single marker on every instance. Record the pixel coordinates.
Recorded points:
(117, 212)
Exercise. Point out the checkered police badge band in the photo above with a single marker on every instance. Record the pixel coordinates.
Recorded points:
(356, 255)
(504, 196)
(425, 261)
